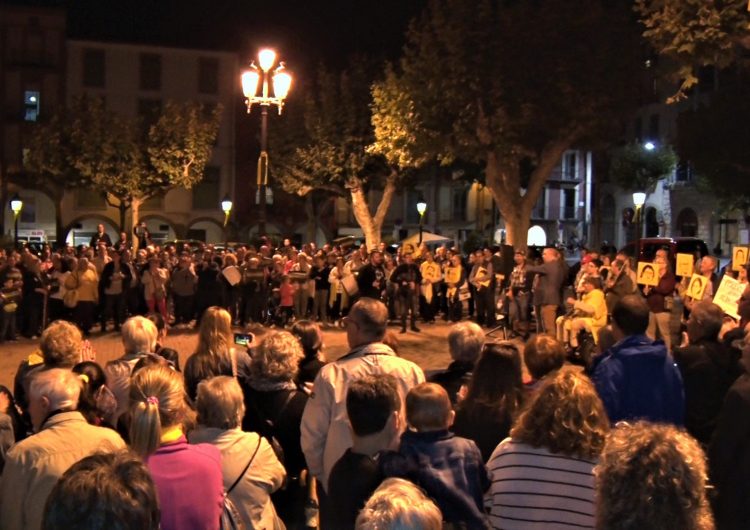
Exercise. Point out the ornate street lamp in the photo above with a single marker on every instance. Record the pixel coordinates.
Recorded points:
(421, 208)
(281, 81)
(16, 205)
(639, 199)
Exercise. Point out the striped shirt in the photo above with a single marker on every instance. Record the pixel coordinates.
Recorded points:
(534, 488)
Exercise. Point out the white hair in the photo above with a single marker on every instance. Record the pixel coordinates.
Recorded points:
(465, 341)
(61, 388)
(139, 335)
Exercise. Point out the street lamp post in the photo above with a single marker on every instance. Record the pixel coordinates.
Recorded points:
(281, 81)
(226, 206)
(16, 205)
(639, 199)
(421, 208)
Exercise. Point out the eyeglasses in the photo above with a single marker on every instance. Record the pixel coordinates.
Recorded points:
(348, 320)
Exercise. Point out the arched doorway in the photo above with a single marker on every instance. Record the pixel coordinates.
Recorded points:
(206, 229)
(160, 228)
(687, 223)
(651, 222)
(80, 229)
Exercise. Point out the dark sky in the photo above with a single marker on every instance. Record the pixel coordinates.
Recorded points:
(302, 31)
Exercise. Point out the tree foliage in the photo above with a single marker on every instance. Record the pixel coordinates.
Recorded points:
(508, 86)
(324, 145)
(695, 33)
(88, 146)
(715, 137)
(635, 168)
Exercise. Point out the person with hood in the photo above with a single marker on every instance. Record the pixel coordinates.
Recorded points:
(637, 378)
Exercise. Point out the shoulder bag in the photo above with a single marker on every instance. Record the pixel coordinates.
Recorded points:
(230, 516)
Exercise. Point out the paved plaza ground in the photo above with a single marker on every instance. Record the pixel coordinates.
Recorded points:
(429, 349)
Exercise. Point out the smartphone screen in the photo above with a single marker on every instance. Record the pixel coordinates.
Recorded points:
(243, 339)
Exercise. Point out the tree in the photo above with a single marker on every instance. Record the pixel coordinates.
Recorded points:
(324, 148)
(96, 148)
(635, 168)
(693, 34)
(510, 86)
(714, 137)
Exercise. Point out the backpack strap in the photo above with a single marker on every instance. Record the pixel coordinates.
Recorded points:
(246, 467)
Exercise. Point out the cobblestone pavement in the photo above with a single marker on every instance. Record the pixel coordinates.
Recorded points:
(429, 349)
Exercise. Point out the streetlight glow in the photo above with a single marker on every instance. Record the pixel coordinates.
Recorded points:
(649, 146)
(639, 199)
(16, 204)
(282, 81)
(226, 205)
(421, 207)
(266, 58)
(250, 80)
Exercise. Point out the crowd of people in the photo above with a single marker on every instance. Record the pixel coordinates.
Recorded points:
(652, 430)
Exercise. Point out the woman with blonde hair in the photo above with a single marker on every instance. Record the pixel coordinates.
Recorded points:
(398, 504)
(542, 476)
(215, 354)
(188, 478)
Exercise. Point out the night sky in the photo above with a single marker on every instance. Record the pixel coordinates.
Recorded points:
(303, 32)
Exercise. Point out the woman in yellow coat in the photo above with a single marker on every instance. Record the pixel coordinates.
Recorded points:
(85, 282)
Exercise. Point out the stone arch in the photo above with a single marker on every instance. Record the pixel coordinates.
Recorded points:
(206, 229)
(79, 230)
(156, 223)
(687, 223)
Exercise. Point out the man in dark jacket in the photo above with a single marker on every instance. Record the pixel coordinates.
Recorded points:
(407, 277)
(371, 277)
(637, 378)
(729, 454)
(548, 289)
(708, 369)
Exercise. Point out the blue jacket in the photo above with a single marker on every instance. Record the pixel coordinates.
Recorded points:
(449, 468)
(637, 379)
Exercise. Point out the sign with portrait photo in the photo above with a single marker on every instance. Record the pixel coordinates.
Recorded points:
(697, 287)
(728, 295)
(685, 265)
(739, 257)
(647, 274)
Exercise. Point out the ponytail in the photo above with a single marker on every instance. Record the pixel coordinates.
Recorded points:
(145, 427)
(157, 403)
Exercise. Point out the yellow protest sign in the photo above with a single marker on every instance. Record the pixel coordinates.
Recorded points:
(647, 274)
(728, 295)
(452, 275)
(739, 257)
(685, 265)
(697, 286)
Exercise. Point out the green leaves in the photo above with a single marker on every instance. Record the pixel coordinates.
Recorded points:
(635, 168)
(694, 33)
(89, 146)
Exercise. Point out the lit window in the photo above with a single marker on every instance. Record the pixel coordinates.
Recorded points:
(31, 105)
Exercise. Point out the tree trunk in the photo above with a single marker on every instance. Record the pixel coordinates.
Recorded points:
(123, 210)
(504, 182)
(59, 228)
(372, 225)
(135, 206)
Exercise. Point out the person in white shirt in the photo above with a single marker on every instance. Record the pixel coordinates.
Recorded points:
(325, 433)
